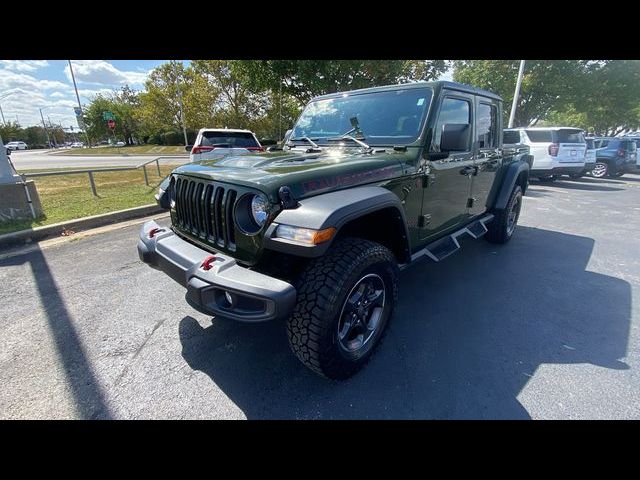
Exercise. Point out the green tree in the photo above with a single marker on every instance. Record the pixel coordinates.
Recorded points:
(547, 85)
(304, 79)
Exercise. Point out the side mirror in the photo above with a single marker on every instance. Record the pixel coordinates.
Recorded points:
(455, 137)
(8, 151)
(267, 142)
(188, 148)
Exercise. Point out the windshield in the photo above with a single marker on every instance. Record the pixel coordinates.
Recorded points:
(384, 118)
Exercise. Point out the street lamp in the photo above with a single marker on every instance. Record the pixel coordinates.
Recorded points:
(1, 112)
(44, 125)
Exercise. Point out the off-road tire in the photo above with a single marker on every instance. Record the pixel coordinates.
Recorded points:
(323, 288)
(498, 228)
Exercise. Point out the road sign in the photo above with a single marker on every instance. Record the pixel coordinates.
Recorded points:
(112, 124)
(108, 116)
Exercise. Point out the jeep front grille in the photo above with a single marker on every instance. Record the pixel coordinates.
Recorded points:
(205, 210)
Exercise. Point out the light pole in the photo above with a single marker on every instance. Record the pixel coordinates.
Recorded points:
(44, 125)
(184, 128)
(83, 126)
(4, 122)
(516, 94)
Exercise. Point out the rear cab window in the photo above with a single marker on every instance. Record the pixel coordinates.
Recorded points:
(590, 143)
(540, 136)
(568, 135)
(231, 139)
(511, 136)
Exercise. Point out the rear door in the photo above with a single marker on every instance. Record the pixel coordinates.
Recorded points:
(488, 155)
(571, 145)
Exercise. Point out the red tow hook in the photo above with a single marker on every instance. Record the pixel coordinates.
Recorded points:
(153, 231)
(206, 264)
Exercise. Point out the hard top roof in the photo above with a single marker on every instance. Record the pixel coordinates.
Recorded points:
(461, 87)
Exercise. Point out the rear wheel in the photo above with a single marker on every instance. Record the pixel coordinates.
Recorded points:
(345, 300)
(600, 170)
(504, 223)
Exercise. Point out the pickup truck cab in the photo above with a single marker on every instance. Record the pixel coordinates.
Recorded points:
(315, 235)
(556, 151)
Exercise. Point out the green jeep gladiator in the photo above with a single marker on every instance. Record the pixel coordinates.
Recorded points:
(315, 234)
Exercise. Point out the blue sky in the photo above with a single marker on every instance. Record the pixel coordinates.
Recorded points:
(35, 84)
(47, 84)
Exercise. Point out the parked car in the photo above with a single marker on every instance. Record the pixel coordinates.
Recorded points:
(556, 151)
(77, 145)
(636, 139)
(590, 155)
(213, 142)
(616, 157)
(17, 146)
(315, 236)
(120, 144)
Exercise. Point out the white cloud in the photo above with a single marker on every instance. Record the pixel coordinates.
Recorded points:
(58, 95)
(100, 72)
(24, 65)
(11, 80)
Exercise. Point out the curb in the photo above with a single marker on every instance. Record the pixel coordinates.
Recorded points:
(80, 224)
(62, 154)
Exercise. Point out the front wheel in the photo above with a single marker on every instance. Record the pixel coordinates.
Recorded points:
(600, 170)
(501, 228)
(345, 301)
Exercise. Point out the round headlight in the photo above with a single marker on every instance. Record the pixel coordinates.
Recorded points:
(259, 209)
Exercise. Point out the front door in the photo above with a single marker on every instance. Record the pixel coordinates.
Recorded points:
(448, 180)
(488, 158)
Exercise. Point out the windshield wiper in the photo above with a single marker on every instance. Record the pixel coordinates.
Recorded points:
(356, 128)
(306, 139)
(349, 137)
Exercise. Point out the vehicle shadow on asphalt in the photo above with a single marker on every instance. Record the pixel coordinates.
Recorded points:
(579, 184)
(89, 398)
(468, 335)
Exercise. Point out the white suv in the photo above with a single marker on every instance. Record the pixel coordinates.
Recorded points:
(215, 142)
(16, 146)
(556, 151)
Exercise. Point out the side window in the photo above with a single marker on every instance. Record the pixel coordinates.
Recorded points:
(453, 110)
(487, 126)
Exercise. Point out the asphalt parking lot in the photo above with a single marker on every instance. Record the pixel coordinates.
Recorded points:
(544, 327)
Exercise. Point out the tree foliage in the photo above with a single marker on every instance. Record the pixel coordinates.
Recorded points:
(600, 96)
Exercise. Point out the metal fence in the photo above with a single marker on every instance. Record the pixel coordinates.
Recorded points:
(91, 171)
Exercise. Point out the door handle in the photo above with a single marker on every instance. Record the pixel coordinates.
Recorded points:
(470, 170)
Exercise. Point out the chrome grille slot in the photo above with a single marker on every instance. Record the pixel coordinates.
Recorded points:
(205, 210)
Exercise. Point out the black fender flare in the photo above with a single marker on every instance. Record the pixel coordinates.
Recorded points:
(509, 179)
(334, 209)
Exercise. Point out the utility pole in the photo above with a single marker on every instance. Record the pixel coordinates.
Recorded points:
(83, 126)
(184, 129)
(45, 128)
(512, 116)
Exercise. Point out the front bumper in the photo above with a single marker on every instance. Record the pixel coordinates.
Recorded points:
(256, 297)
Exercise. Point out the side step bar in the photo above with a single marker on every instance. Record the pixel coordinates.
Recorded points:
(443, 247)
